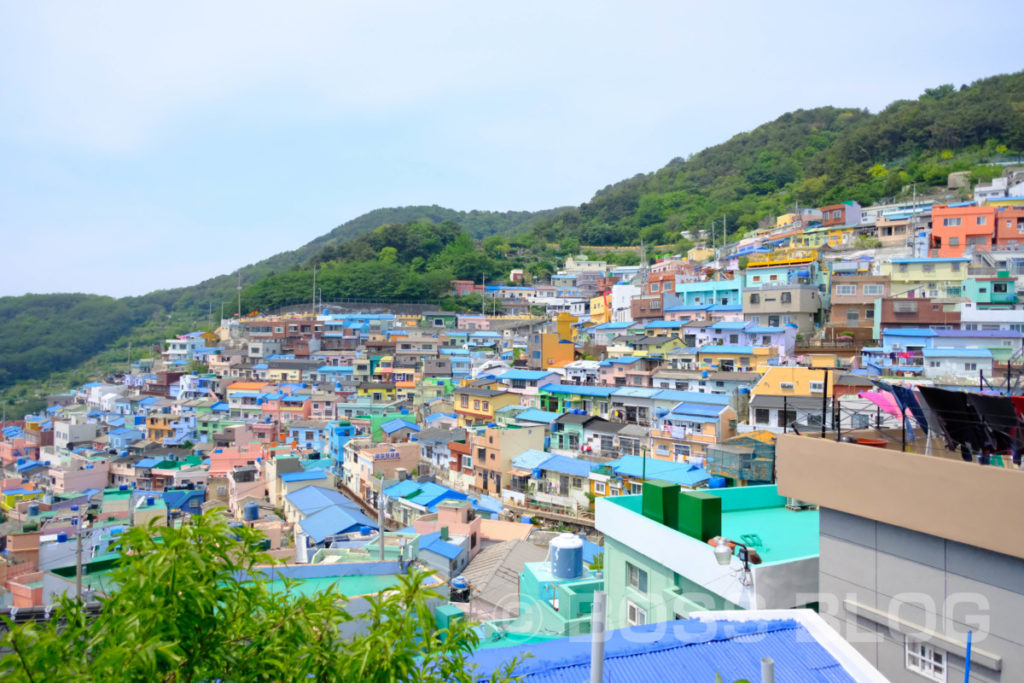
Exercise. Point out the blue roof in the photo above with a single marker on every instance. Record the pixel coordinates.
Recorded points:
(434, 544)
(392, 426)
(725, 308)
(334, 519)
(28, 465)
(530, 459)
(563, 464)
(675, 472)
(310, 475)
(664, 324)
(731, 325)
(661, 651)
(580, 390)
(726, 348)
(147, 463)
(613, 326)
(765, 330)
(537, 415)
(696, 410)
(676, 309)
(310, 499)
(957, 353)
(528, 375)
(623, 360)
(908, 332)
(693, 397)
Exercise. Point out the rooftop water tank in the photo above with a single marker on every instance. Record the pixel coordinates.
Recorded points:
(566, 556)
(62, 537)
(150, 501)
(364, 531)
(526, 519)
(250, 512)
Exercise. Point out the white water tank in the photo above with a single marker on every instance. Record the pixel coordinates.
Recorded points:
(566, 556)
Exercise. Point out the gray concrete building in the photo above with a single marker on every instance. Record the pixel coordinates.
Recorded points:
(915, 553)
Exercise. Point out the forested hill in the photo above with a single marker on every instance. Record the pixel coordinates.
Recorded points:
(810, 157)
(813, 157)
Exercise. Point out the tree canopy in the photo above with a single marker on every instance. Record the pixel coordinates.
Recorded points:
(191, 605)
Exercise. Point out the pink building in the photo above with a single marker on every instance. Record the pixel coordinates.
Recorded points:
(80, 474)
(224, 460)
(472, 322)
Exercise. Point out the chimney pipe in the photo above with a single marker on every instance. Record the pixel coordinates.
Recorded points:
(767, 670)
(597, 638)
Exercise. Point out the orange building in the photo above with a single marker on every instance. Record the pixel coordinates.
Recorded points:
(954, 228)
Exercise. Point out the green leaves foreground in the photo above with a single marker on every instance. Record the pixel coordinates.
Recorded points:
(192, 605)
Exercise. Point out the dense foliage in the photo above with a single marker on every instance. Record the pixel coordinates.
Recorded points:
(191, 606)
(811, 157)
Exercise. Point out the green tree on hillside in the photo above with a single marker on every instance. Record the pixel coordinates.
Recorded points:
(191, 605)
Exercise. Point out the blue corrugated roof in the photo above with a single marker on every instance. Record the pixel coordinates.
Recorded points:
(147, 463)
(731, 325)
(309, 499)
(332, 520)
(537, 415)
(908, 332)
(530, 459)
(392, 426)
(580, 390)
(675, 472)
(726, 348)
(703, 650)
(311, 475)
(693, 397)
(957, 353)
(434, 544)
(528, 375)
(563, 464)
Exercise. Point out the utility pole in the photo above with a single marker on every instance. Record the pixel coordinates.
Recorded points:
(239, 288)
(824, 403)
(483, 294)
(380, 522)
(314, 290)
(725, 237)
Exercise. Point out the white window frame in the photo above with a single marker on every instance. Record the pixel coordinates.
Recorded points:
(635, 615)
(925, 660)
(599, 488)
(874, 290)
(846, 290)
(817, 387)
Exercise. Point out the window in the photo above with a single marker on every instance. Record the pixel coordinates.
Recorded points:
(955, 266)
(755, 298)
(655, 286)
(853, 316)
(786, 298)
(734, 339)
(950, 222)
(817, 387)
(847, 290)
(874, 290)
(636, 578)
(999, 288)
(982, 220)
(599, 488)
(970, 366)
(926, 660)
(869, 314)
(681, 451)
(837, 214)
(577, 482)
(761, 416)
(467, 462)
(635, 616)
(928, 268)
(476, 405)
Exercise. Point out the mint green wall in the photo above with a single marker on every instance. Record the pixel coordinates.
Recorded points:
(668, 594)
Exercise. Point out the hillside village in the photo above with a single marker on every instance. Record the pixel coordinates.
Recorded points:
(737, 402)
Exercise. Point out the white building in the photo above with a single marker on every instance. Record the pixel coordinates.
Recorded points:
(964, 362)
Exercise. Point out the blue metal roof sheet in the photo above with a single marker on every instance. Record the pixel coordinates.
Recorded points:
(704, 650)
(334, 520)
(311, 475)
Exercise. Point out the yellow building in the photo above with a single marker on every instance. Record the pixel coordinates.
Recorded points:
(284, 375)
(933, 278)
(734, 357)
(376, 391)
(564, 323)
(11, 497)
(794, 381)
(700, 253)
(475, 406)
(600, 309)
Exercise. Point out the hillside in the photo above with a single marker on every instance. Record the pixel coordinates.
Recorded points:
(806, 157)
(811, 157)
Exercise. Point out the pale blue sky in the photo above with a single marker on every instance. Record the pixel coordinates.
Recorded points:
(147, 146)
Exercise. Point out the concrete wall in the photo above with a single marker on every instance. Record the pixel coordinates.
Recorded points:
(880, 583)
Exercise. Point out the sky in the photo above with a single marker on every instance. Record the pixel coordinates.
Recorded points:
(146, 146)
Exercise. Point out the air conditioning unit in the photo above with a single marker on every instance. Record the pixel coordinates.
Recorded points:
(795, 504)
